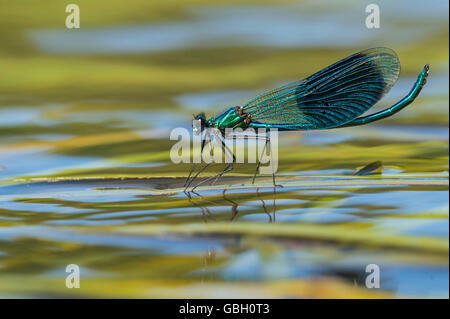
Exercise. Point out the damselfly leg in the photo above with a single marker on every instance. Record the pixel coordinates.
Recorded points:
(195, 165)
(230, 166)
(189, 182)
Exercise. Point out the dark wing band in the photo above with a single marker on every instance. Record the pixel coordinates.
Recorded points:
(331, 97)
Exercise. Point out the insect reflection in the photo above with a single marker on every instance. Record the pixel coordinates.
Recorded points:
(205, 204)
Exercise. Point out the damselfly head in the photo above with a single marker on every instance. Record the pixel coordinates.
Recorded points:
(199, 124)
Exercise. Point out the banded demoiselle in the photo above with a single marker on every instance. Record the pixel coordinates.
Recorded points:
(334, 97)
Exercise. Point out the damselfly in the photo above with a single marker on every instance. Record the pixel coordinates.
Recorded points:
(334, 97)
